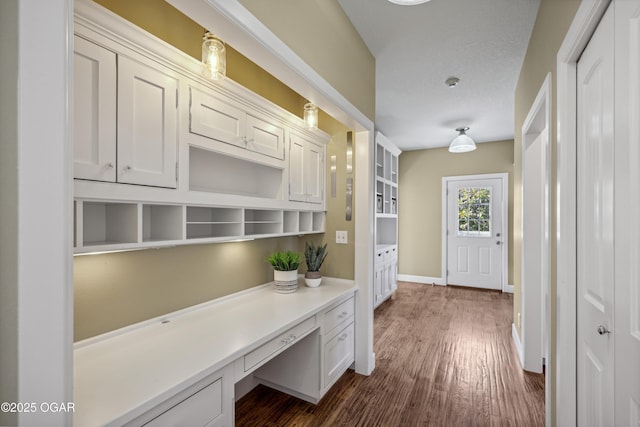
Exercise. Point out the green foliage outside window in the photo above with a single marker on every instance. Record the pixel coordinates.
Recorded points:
(474, 211)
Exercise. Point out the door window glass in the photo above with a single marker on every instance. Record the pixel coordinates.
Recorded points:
(474, 212)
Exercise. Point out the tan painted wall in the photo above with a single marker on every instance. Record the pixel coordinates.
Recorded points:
(115, 290)
(420, 200)
(322, 35)
(553, 21)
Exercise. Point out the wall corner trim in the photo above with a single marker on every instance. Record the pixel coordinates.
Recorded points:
(518, 344)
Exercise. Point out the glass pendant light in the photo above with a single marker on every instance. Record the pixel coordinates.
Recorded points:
(311, 115)
(462, 143)
(214, 57)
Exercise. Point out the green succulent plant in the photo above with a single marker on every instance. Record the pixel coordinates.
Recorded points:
(314, 255)
(285, 261)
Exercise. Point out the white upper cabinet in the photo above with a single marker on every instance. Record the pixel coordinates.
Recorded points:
(125, 118)
(94, 100)
(213, 118)
(219, 120)
(147, 124)
(265, 137)
(306, 170)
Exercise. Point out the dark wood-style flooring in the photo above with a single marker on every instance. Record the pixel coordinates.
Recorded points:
(444, 357)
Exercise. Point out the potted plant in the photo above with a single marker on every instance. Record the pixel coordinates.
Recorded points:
(314, 256)
(285, 270)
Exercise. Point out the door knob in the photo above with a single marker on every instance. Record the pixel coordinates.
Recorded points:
(498, 242)
(602, 330)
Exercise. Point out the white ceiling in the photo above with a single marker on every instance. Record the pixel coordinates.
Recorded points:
(482, 42)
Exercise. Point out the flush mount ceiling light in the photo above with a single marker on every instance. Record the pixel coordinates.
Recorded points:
(462, 143)
(408, 2)
(214, 57)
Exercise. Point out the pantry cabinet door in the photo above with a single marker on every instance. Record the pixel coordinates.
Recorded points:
(94, 111)
(147, 123)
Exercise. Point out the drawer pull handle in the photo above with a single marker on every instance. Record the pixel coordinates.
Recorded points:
(343, 337)
(343, 314)
(288, 340)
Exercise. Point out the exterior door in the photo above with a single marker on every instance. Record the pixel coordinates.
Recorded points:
(475, 232)
(595, 228)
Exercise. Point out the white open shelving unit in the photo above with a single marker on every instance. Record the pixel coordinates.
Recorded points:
(386, 256)
(109, 226)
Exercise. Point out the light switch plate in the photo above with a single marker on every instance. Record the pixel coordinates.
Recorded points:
(342, 237)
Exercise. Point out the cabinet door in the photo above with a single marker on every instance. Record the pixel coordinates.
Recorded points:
(296, 170)
(94, 115)
(306, 171)
(264, 137)
(314, 173)
(338, 355)
(213, 118)
(378, 285)
(147, 124)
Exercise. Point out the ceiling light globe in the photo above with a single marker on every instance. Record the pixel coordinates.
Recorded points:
(462, 143)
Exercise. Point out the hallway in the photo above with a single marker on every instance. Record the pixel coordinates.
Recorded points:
(444, 357)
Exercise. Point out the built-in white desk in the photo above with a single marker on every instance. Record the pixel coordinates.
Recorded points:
(185, 364)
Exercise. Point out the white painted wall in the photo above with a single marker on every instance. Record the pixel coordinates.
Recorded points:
(35, 242)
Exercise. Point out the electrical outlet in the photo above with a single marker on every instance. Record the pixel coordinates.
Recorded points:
(342, 237)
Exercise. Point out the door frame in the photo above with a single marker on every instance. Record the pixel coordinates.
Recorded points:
(504, 177)
(582, 28)
(536, 302)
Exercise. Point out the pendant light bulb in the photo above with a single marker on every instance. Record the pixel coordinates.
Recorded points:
(311, 115)
(214, 57)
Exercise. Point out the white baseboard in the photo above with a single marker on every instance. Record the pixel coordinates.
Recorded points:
(516, 340)
(508, 289)
(421, 279)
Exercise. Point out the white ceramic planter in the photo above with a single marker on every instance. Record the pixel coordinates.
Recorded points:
(285, 282)
(312, 279)
(313, 283)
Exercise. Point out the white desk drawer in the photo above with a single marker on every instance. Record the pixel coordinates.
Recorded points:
(281, 341)
(337, 315)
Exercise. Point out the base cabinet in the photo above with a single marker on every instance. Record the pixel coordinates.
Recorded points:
(209, 403)
(386, 274)
(308, 369)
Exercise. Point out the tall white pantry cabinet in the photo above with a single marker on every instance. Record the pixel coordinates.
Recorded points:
(386, 255)
(164, 157)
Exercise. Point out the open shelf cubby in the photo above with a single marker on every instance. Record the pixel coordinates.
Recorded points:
(161, 222)
(291, 222)
(213, 222)
(109, 223)
(210, 171)
(262, 221)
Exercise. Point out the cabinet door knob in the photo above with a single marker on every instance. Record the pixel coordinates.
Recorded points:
(127, 168)
(603, 330)
(110, 165)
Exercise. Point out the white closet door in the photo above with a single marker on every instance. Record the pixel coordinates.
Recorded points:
(94, 111)
(595, 228)
(147, 124)
(627, 214)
